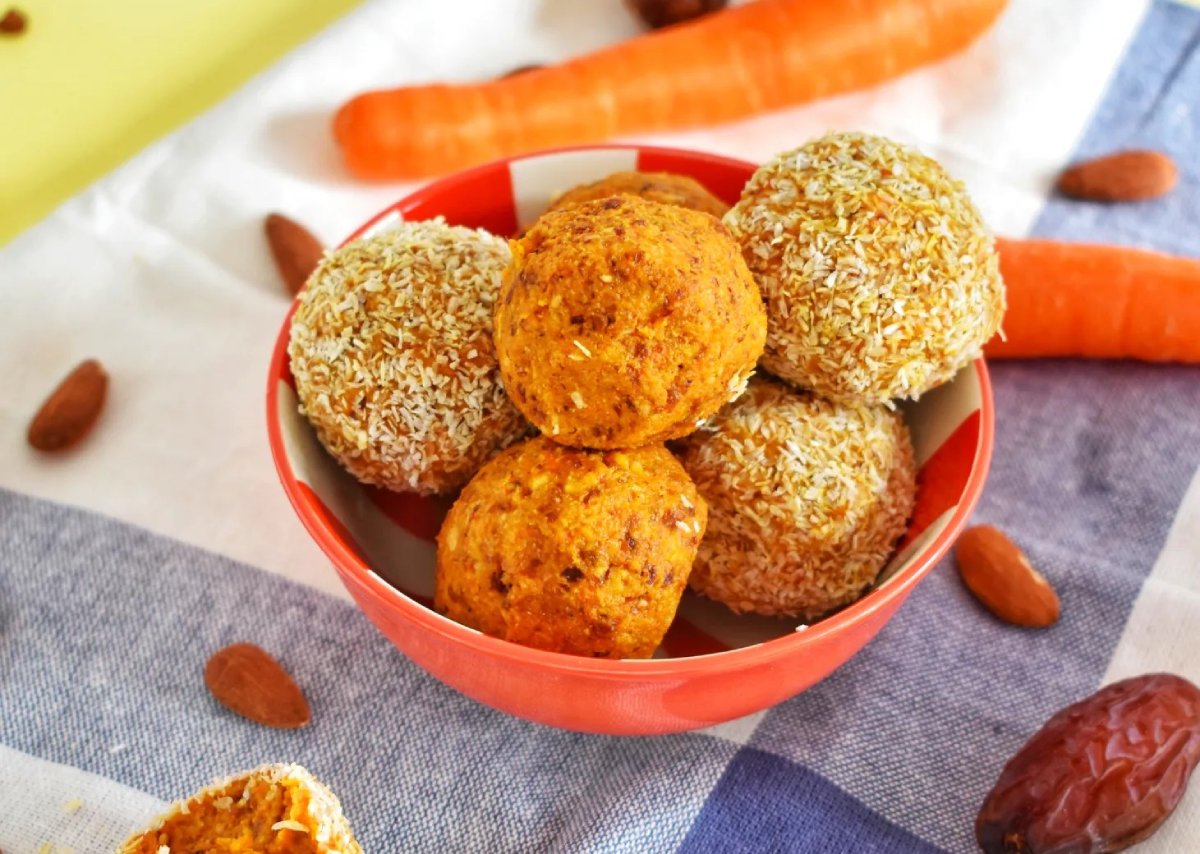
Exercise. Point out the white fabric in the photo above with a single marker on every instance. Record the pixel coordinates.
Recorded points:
(55, 809)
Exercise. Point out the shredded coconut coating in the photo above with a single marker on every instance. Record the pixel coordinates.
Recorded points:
(806, 497)
(391, 348)
(880, 278)
(279, 809)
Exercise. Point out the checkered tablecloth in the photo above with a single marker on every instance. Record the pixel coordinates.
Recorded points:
(124, 564)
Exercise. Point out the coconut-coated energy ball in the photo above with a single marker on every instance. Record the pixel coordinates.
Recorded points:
(806, 498)
(623, 322)
(880, 277)
(392, 353)
(569, 550)
(663, 187)
(249, 812)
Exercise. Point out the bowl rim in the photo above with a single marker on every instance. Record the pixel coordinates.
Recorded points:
(389, 598)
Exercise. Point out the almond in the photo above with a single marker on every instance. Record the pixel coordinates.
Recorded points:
(71, 409)
(247, 680)
(13, 23)
(296, 250)
(666, 13)
(999, 575)
(1126, 176)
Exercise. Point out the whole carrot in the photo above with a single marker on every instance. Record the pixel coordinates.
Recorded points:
(727, 65)
(1102, 302)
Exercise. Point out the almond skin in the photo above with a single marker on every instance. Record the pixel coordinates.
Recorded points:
(667, 13)
(1126, 176)
(1000, 577)
(296, 250)
(71, 409)
(13, 23)
(247, 679)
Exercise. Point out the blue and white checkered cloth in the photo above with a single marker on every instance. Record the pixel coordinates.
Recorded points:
(165, 537)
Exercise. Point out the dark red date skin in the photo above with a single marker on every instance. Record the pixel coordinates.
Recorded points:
(1101, 775)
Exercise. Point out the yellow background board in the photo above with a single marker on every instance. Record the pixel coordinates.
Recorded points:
(90, 82)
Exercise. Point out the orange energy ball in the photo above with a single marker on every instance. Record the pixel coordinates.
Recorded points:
(275, 809)
(622, 322)
(569, 550)
(663, 187)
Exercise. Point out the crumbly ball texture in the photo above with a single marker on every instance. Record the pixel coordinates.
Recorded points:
(276, 809)
(663, 187)
(392, 353)
(880, 277)
(574, 551)
(807, 499)
(623, 322)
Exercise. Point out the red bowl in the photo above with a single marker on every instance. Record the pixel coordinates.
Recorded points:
(713, 666)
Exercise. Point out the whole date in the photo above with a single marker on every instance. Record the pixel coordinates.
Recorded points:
(1100, 775)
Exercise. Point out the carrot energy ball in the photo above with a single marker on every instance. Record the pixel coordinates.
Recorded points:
(880, 278)
(275, 809)
(806, 499)
(568, 550)
(622, 322)
(392, 352)
(662, 187)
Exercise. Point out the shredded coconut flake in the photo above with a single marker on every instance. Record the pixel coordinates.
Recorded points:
(289, 824)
